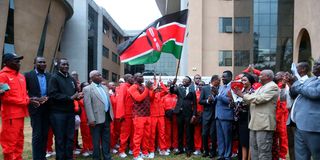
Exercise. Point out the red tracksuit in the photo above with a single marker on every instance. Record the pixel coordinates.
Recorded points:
(14, 107)
(280, 138)
(141, 118)
(85, 130)
(114, 125)
(170, 101)
(157, 120)
(124, 110)
(198, 126)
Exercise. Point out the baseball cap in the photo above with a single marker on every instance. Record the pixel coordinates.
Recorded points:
(10, 56)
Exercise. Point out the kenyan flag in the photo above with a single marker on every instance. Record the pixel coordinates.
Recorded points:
(165, 35)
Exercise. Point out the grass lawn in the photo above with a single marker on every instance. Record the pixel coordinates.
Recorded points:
(27, 154)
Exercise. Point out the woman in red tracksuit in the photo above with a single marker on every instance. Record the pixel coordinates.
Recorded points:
(114, 125)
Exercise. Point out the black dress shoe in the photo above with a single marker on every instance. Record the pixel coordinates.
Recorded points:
(179, 152)
(188, 154)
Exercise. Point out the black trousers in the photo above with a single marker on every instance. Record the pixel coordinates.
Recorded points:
(101, 133)
(63, 126)
(40, 127)
(209, 128)
(184, 125)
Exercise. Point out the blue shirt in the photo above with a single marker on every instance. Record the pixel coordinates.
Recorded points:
(104, 96)
(42, 83)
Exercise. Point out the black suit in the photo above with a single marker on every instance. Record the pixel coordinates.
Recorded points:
(39, 116)
(186, 107)
(208, 120)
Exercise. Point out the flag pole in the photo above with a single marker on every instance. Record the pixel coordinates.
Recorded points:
(178, 68)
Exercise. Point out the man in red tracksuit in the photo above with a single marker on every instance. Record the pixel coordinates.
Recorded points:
(123, 114)
(14, 107)
(170, 101)
(157, 120)
(280, 138)
(198, 126)
(141, 115)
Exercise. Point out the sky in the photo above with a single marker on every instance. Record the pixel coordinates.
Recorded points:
(131, 14)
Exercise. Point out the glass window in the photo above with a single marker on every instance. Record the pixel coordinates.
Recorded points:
(242, 24)
(264, 19)
(264, 31)
(225, 25)
(225, 58)
(114, 77)
(105, 27)
(105, 52)
(114, 37)
(273, 19)
(114, 57)
(105, 74)
(264, 43)
(264, 8)
(241, 58)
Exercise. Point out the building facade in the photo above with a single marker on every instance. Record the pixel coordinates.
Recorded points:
(33, 28)
(90, 42)
(306, 43)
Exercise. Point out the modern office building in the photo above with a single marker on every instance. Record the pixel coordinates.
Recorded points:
(33, 28)
(90, 42)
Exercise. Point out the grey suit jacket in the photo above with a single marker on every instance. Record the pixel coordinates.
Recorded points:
(94, 104)
(263, 104)
(306, 112)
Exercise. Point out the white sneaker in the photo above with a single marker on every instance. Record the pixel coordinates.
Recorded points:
(48, 154)
(85, 154)
(114, 151)
(175, 150)
(168, 150)
(163, 153)
(53, 153)
(137, 158)
(151, 155)
(117, 146)
(197, 152)
(76, 152)
(122, 155)
(130, 152)
(145, 155)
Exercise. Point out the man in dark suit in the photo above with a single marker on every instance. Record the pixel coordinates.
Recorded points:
(186, 110)
(99, 113)
(224, 118)
(208, 100)
(37, 81)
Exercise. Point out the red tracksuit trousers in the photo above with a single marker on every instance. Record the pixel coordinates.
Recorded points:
(172, 132)
(115, 132)
(197, 137)
(141, 136)
(157, 127)
(86, 137)
(50, 140)
(12, 138)
(126, 132)
(280, 138)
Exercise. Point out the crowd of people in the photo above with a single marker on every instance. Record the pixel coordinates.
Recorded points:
(255, 115)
